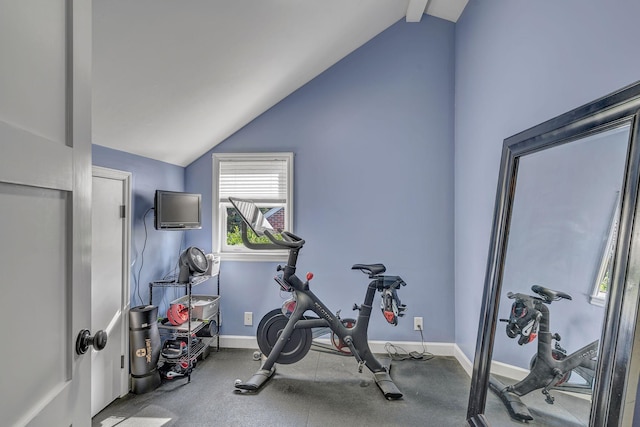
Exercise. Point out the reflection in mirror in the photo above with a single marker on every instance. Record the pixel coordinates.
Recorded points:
(545, 353)
(605, 272)
(252, 215)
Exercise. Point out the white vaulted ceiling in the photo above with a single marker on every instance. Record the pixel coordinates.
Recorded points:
(172, 79)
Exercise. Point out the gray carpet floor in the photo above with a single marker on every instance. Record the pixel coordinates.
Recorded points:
(324, 389)
(566, 411)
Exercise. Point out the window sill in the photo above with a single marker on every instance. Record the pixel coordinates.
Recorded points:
(597, 300)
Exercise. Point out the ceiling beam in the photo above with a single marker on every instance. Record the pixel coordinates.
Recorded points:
(416, 9)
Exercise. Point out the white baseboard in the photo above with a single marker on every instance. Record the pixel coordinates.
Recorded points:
(435, 348)
(508, 371)
(463, 360)
(498, 368)
(238, 341)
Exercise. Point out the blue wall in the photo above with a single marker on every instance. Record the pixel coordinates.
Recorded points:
(162, 247)
(517, 65)
(372, 138)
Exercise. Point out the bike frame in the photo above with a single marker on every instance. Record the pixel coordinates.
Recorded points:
(547, 372)
(356, 337)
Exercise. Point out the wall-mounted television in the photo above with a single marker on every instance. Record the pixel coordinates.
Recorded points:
(177, 211)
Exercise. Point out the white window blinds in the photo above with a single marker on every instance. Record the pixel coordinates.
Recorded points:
(262, 180)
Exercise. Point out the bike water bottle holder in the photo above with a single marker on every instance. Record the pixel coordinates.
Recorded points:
(289, 306)
(283, 285)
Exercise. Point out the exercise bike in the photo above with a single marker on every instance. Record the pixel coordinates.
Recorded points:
(285, 335)
(551, 367)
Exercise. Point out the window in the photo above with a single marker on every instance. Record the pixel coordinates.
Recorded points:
(605, 272)
(264, 178)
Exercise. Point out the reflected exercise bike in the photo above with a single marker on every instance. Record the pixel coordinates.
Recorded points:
(551, 367)
(285, 335)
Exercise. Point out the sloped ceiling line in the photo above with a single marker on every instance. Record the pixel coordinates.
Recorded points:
(173, 79)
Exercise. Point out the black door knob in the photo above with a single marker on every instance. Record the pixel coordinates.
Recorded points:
(84, 340)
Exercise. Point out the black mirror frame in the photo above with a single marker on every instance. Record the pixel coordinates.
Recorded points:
(620, 319)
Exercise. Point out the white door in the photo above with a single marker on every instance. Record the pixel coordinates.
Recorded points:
(45, 193)
(110, 219)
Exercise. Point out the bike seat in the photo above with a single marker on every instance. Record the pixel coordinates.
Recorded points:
(370, 269)
(549, 295)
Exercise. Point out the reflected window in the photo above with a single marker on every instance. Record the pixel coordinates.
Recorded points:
(605, 271)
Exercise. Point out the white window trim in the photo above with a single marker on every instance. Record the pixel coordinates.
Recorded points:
(599, 298)
(218, 210)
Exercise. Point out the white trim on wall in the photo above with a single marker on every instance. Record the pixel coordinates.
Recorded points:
(435, 348)
(464, 361)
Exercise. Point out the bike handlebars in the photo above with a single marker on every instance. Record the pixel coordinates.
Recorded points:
(252, 217)
(289, 240)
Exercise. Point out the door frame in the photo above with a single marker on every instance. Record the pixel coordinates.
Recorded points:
(125, 303)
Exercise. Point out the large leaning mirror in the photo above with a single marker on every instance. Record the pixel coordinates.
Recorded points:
(559, 313)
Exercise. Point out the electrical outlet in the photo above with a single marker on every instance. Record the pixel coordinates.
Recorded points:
(417, 324)
(248, 318)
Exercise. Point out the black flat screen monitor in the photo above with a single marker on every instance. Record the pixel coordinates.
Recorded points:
(177, 211)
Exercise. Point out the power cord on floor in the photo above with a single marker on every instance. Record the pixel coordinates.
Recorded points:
(326, 348)
(396, 352)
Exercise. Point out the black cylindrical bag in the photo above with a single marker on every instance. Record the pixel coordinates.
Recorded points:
(144, 348)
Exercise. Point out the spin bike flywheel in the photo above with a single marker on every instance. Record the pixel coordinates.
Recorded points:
(270, 329)
(557, 355)
(337, 342)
